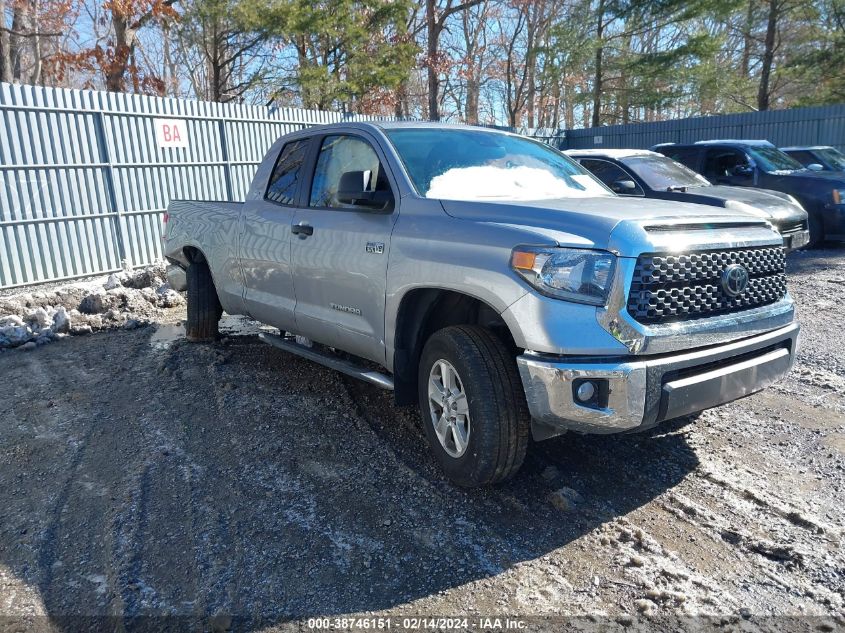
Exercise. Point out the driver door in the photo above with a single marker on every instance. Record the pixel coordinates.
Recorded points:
(340, 251)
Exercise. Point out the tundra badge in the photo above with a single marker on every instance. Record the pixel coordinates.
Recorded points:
(343, 308)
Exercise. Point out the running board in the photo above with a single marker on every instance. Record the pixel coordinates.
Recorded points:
(329, 360)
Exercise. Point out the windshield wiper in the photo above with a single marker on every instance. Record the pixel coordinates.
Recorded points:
(681, 188)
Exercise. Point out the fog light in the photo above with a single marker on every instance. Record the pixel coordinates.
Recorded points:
(585, 391)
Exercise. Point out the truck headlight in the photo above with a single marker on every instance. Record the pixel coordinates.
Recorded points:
(573, 274)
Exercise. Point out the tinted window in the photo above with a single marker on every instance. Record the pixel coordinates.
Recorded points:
(461, 164)
(287, 172)
(803, 156)
(661, 172)
(609, 173)
(721, 162)
(338, 155)
(685, 155)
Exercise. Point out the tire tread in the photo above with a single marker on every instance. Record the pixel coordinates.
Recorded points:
(204, 308)
(498, 372)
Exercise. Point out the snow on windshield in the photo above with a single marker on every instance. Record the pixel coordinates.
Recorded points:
(490, 182)
(469, 164)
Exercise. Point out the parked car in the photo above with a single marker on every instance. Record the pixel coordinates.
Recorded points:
(818, 158)
(645, 174)
(761, 164)
(493, 281)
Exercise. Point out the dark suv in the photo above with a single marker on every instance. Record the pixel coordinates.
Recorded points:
(761, 164)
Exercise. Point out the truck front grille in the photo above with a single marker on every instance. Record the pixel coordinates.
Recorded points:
(668, 288)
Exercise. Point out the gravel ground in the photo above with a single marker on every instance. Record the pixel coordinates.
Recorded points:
(243, 488)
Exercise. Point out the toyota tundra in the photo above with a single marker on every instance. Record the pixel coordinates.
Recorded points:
(491, 281)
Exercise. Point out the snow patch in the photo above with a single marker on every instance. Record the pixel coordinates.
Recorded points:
(509, 184)
(126, 299)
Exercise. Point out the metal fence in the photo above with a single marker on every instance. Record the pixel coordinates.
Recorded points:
(84, 180)
(823, 125)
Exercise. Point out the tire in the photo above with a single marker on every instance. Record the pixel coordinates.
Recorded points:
(496, 423)
(816, 227)
(204, 309)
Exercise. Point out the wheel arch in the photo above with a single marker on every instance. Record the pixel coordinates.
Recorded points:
(423, 311)
(194, 255)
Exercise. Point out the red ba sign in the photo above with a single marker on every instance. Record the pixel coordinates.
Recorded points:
(171, 132)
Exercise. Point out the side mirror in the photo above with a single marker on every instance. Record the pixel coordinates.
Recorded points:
(742, 170)
(624, 187)
(815, 167)
(354, 189)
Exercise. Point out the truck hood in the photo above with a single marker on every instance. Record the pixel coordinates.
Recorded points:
(622, 225)
(772, 205)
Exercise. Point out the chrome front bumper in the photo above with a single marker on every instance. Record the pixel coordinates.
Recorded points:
(796, 239)
(639, 392)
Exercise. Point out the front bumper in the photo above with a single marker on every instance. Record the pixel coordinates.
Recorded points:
(796, 239)
(636, 393)
(794, 229)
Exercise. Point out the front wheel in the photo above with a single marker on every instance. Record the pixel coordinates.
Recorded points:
(472, 405)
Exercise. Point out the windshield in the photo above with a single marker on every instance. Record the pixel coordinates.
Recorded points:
(464, 164)
(832, 157)
(660, 172)
(772, 159)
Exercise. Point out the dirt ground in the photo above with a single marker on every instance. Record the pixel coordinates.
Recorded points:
(242, 488)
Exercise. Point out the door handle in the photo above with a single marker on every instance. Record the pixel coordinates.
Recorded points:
(302, 230)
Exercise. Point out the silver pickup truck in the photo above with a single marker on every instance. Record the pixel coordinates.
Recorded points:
(491, 281)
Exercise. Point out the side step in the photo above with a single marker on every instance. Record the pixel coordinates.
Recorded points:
(329, 360)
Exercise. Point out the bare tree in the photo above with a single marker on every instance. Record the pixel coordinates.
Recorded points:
(435, 21)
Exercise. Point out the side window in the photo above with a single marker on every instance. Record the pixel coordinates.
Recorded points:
(287, 172)
(340, 154)
(804, 157)
(720, 163)
(685, 155)
(610, 173)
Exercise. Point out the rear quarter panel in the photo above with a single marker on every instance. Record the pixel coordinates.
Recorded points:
(213, 229)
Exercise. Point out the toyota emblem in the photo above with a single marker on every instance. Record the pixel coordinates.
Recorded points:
(734, 280)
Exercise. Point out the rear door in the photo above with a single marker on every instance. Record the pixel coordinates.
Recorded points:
(340, 251)
(265, 239)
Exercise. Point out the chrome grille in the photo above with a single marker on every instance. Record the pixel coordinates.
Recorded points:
(668, 288)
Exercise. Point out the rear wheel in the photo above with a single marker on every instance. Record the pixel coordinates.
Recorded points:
(204, 309)
(473, 406)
